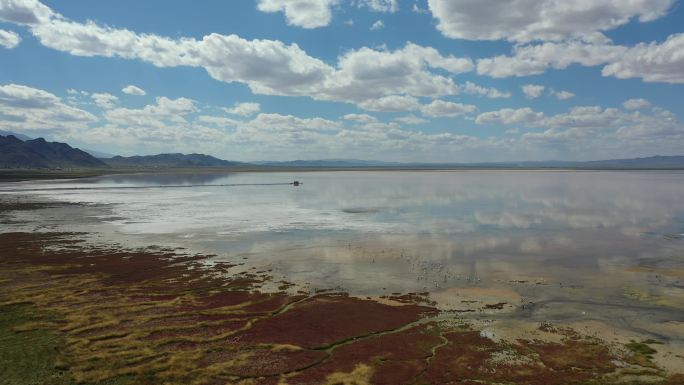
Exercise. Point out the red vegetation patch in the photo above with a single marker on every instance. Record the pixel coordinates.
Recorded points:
(397, 358)
(154, 296)
(468, 356)
(205, 331)
(264, 362)
(325, 319)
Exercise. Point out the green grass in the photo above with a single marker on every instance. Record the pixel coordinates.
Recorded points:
(641, 348)
(30, 357)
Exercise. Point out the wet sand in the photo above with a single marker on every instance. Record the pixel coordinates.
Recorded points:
(112, 315)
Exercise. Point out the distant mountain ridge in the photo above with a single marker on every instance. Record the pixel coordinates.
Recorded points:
(39, 153)
(16, 152)
(24, 138)
(170, 160)
(331, 163)
(17, 135)
(653, 162)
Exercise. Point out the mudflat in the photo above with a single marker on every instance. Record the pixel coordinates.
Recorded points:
(77, 312)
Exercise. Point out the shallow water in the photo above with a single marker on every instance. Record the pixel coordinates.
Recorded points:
(552, 245)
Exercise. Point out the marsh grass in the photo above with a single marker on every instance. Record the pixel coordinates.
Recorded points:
(67, 321)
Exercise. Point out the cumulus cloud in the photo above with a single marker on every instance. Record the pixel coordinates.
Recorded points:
(636, 104)
(535, 59)
(133, 90)
(367, 73)
(474, 89)
(301, 13)
(9, 39)
(533, 91)
(610, 127)
(651, 62)
(244, 109)
(441, 108)
(360, 118)
(288, 123)
(20, 96)
(380, 5)
(104, 100)
(25, 12)
(585, 116)
(177, 123)
(562, 95)
(377, 25)
(218, 120)
(510, 116)
(28, 108)
(411, 120)
(530, 20)
(268, 67)
(154, 115)
(392, 103)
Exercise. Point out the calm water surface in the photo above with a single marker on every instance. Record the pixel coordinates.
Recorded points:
(553, 245)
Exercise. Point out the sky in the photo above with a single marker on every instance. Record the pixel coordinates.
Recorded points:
(394, 80)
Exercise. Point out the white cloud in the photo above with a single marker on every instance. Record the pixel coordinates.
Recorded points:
(244, 109)
(377, 25)
(510, 116)
(154, 115)
(536, 59)
(16, 95)
(267, 66)
(651, 62)
(441, 108)
(473, 89)
(636, 104)
(133, 90)
(9, 39)
(25, 12)
(365, 74)
(287, 127)
(392, 103)
(380, 5)
(533, 91)
(360, 118)
(301, 13)
(411, 119)
(611, 128)
(74, 92)
(104, 100)
(418, 9)
(562, 95)
(318, 13)
(218, 120)
(27, 108)
(529, 20)
(173, 123)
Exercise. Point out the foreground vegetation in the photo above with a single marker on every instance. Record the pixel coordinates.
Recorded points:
(76, 314)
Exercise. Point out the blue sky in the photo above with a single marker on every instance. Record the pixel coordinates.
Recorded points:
(403, 80)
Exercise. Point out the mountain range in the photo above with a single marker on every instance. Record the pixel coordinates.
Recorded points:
(20, 151)
(39, 153)
(171, 160)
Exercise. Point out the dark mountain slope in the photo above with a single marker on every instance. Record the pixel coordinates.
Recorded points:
(39, 153)
(171, 160)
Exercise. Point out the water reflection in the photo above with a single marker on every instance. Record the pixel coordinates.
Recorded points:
(542, 238)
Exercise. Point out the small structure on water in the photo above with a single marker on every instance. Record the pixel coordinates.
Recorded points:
(296, 183)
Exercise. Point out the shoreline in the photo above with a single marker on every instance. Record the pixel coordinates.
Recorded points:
(20, 175)
(125, 316)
